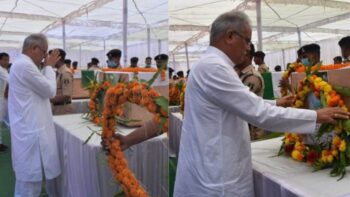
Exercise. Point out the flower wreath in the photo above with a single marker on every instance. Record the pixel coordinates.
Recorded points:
(333, 153)
(140, 94)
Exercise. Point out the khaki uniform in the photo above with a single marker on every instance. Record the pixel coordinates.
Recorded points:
(253, 79)
(263, 68)
(64, 87)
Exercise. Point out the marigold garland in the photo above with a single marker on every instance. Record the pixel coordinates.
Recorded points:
(140, 94)
(286, 74)
(182, 98)
(302, 68)
(94, 105)
(335, 154)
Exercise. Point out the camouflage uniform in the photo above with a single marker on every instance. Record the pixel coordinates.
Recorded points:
(253, 79)
(64, 87)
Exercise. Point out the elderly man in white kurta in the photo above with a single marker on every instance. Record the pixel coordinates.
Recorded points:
(34, 146)
(215, 155)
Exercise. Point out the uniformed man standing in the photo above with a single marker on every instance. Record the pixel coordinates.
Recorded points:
(249, 75)
(62, 102)
(253, 79)
(259, 57)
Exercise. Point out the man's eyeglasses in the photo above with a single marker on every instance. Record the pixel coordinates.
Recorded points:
(247, 40)
(42, 50)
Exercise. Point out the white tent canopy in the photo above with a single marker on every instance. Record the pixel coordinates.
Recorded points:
(316, 21)
(86, 28)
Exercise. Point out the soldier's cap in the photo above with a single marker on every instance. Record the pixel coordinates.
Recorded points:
(300, 51)
(114, 53)
(311, 48)
(161, 57)
(345, 42)
(62, 53)
(259, 54)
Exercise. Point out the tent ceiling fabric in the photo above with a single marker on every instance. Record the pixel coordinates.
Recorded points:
(87, 22)
(317, 20)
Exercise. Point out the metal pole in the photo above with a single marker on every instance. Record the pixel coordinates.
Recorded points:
(284, 59)
(64, 34)
(80, 55)
(104, 48)
(159, 46)
(148, 41)
(125, 31)
(258, 19)
(174, 63)
(187, 60)
(299, 37)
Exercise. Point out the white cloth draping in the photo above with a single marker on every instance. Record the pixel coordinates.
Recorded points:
(175, 126)
(80, 106)
(85, 171)
(282, 176)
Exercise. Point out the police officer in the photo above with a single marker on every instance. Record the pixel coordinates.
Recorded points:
(259, 57)
(253, 79)
(249, 75)
(62, 102)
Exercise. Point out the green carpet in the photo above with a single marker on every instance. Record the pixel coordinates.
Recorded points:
(172, 173)
(7, 176)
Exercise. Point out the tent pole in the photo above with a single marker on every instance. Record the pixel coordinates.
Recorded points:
(148, 41)
(299, 36)
(64, 34)
(125, 29)
(258, 19)
(187, 60)
(159, 46)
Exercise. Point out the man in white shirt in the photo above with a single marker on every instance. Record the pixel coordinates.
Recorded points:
(215, 155)
(4, 63)
(34, 146)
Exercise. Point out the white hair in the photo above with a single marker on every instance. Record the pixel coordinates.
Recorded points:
(235, 20)
(34, 40)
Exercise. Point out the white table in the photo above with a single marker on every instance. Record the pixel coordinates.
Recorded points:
(282, 176)
(175, 133)
(80, 106)
(85, 171)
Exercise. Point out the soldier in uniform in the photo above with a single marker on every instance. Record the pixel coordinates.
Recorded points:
(253, 79)
(249, 75)
(259, 60)
(62, 102)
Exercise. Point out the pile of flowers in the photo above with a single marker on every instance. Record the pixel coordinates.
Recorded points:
(140, 94)
(107, 104)
(335, 152)
(175, 91)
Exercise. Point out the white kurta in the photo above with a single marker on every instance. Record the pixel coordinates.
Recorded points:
(215, 155)
(3, 82)
(32, 130)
